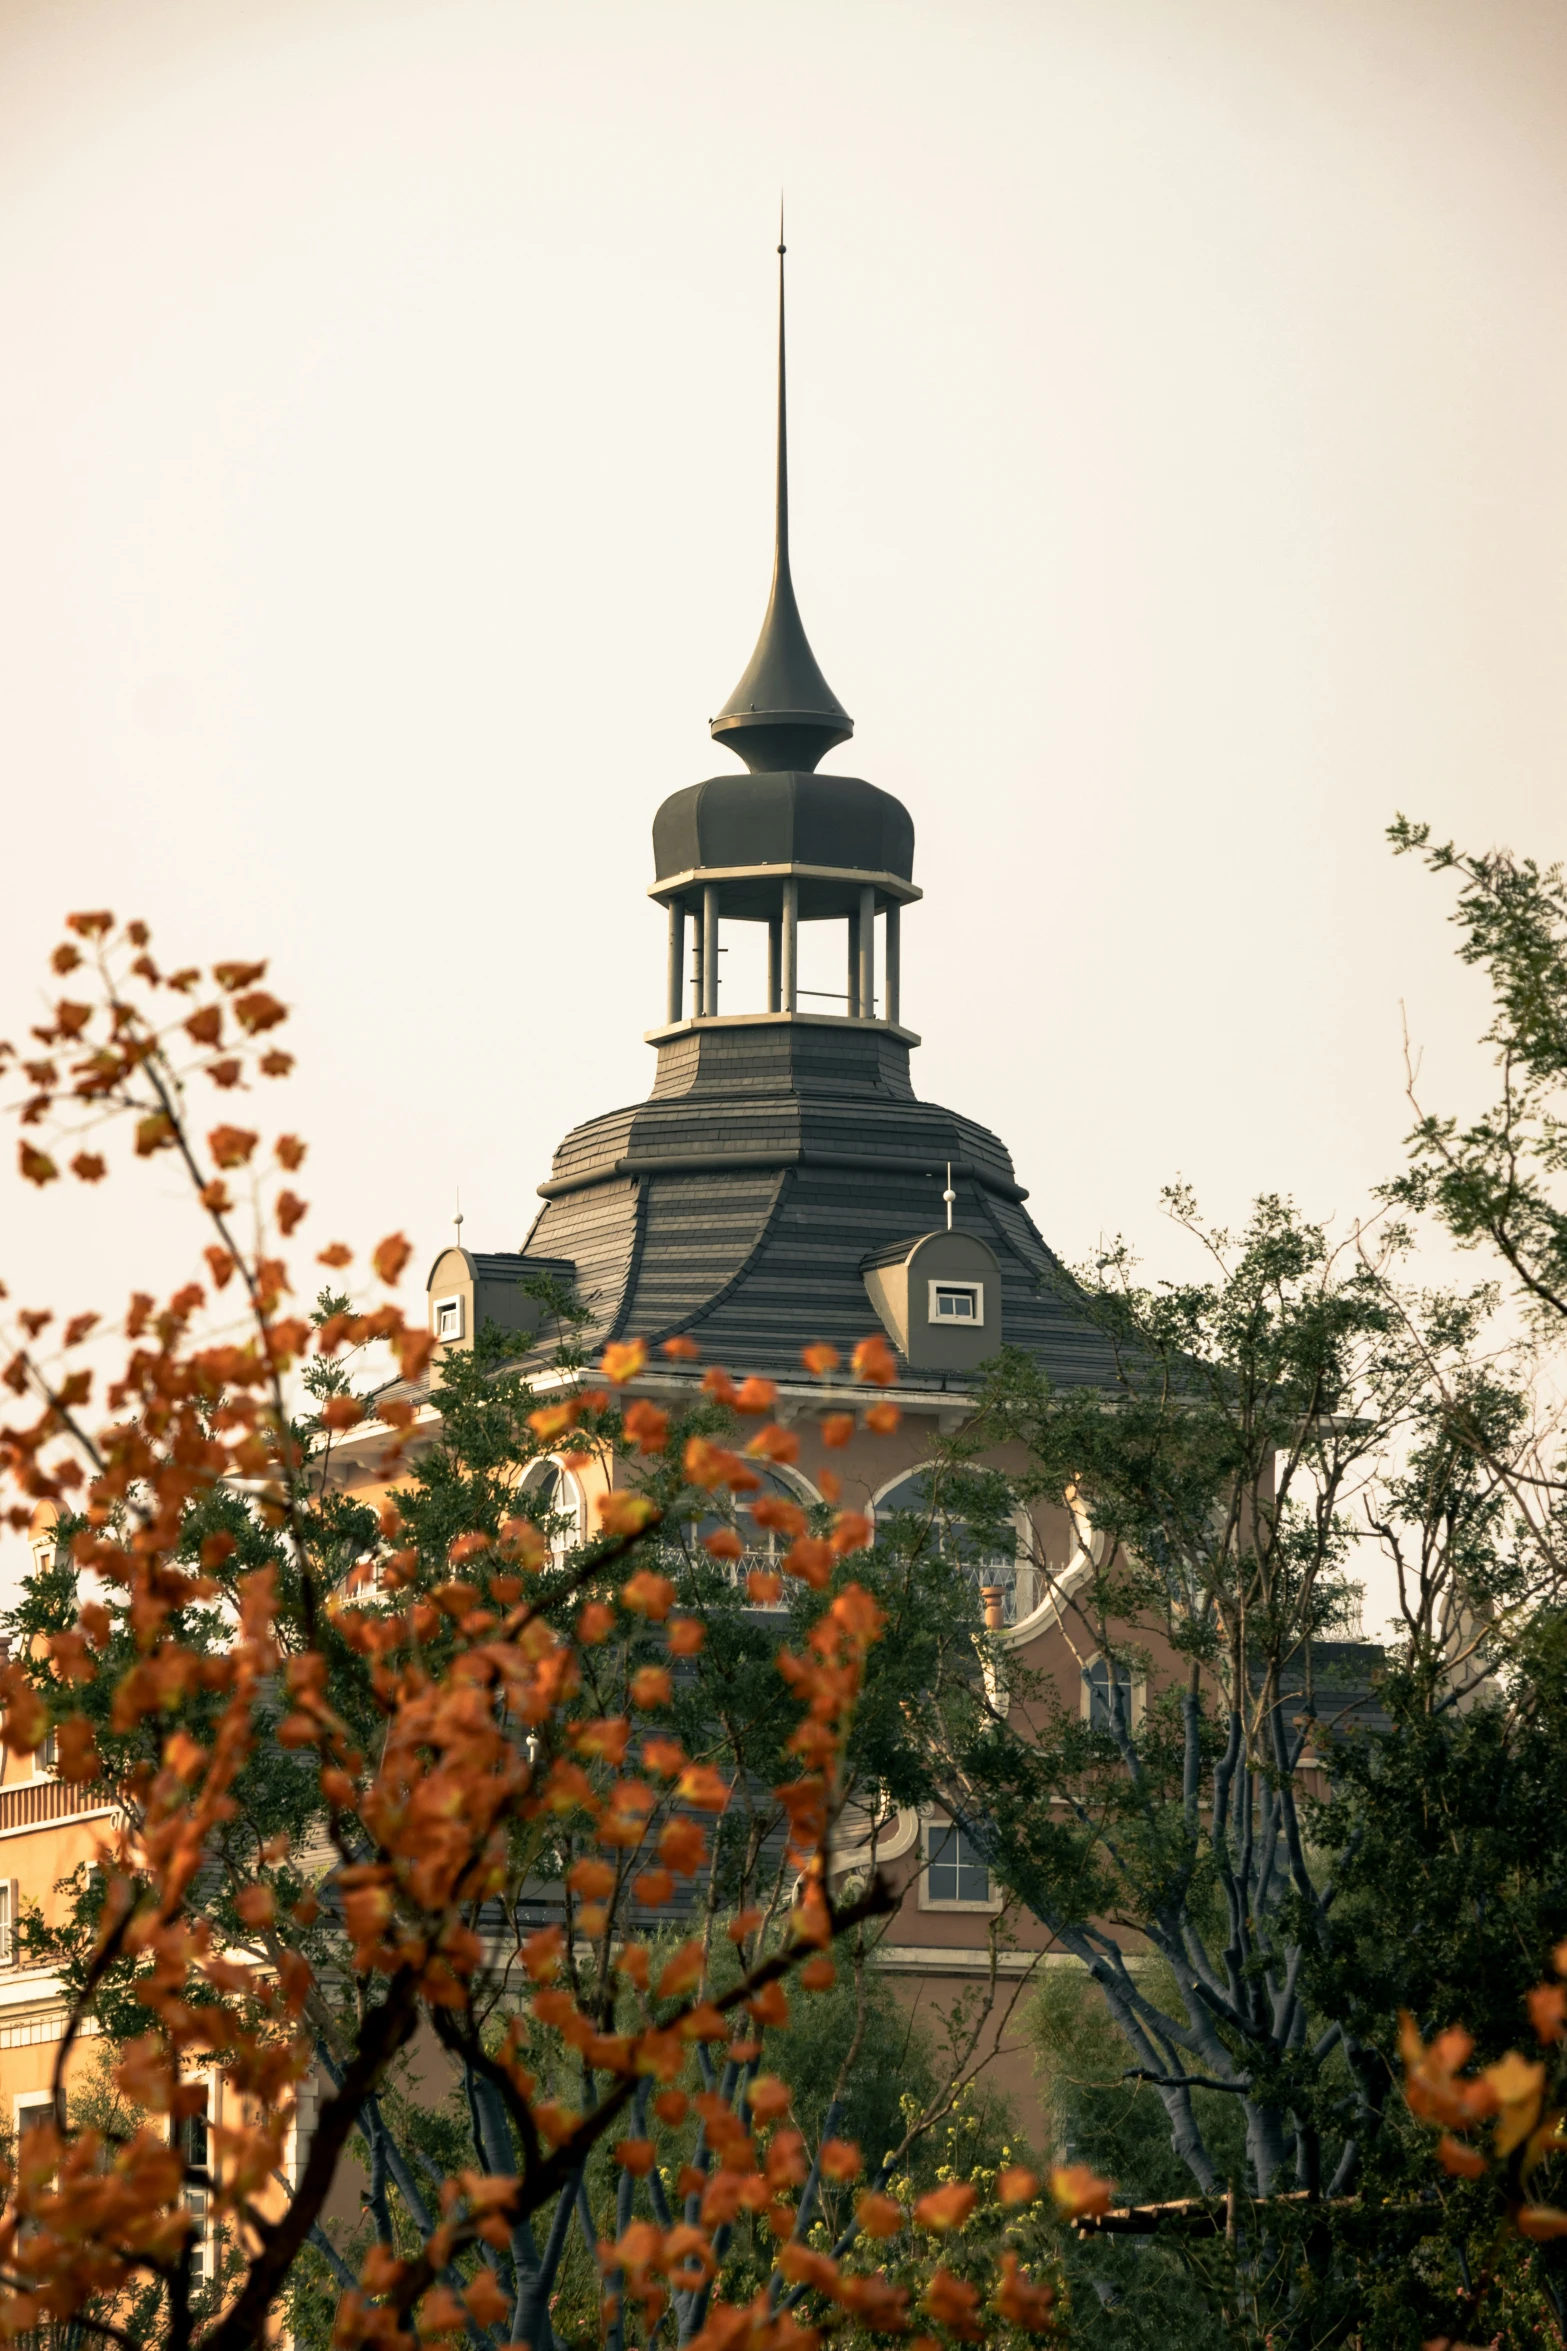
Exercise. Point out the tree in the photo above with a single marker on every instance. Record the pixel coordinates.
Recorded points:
(430, 1780)
(1266, 1423)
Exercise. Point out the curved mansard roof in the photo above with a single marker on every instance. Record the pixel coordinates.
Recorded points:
(739, 1202)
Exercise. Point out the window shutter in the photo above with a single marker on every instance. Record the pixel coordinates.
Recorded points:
(13, 1893)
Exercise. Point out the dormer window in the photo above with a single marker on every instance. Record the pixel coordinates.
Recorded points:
(957, 1302)
(447, 1314)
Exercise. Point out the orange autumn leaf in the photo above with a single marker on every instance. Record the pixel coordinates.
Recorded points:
(784, 1518)
(872, 1360)
(1079, 2191)
(1548, 2011)
(946, 2208)
(851, 1531)
(258, 1011)
(954, 2303)
(775, 1444)
(682, 1845)
(820, 1358)
(837, 1429)
(769, 2100)
(290, 1211)
(1023, 2304)
(389, 1258)
(682, 1972)
(335, 1254)
(879, 2216)
(36, 1166)
(623, 1360)
(646, 1424)
(485, 2301)
(232, 975)
(702, 1787)
(624, 1513)
(647, 1594)
(680, 1349)
(230, 1146)
(553, 1420)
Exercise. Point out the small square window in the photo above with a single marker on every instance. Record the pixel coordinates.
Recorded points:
(447, 1313)
(956, 1870)
(957, 1302)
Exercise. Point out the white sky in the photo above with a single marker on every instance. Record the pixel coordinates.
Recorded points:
(1179, 489)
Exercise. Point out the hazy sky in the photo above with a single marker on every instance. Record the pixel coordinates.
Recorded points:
(1180, 488)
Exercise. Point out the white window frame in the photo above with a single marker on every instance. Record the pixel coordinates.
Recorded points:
(1138, 1690)
(28, 2102)
(453, 1305)
(933, 1825)
(953, 1322)
(570, 1485)
(10, 1907)
(198, 2201)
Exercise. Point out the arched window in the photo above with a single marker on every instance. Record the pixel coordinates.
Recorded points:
(986, 1567)
(551, 1493)
(764, 1546)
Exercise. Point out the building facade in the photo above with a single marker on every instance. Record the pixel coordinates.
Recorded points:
(781, 1185)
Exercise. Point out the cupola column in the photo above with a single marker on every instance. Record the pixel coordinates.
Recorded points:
(677, 955)
(774, 961)
(789, 924)
(867, 973)
(892, 973)
(710, 950)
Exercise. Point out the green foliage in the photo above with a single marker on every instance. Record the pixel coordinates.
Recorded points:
(1497, 1178)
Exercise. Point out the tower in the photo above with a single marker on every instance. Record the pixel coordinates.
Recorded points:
(782, 1183)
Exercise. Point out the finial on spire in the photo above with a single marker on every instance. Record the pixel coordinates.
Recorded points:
(783, 713)
(949, 1195)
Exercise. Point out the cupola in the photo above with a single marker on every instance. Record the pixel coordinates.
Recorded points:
(781, 844)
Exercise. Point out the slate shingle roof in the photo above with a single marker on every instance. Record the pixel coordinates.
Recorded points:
(740, 1200)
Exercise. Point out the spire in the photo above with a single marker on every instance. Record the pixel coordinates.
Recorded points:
(783, 713)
